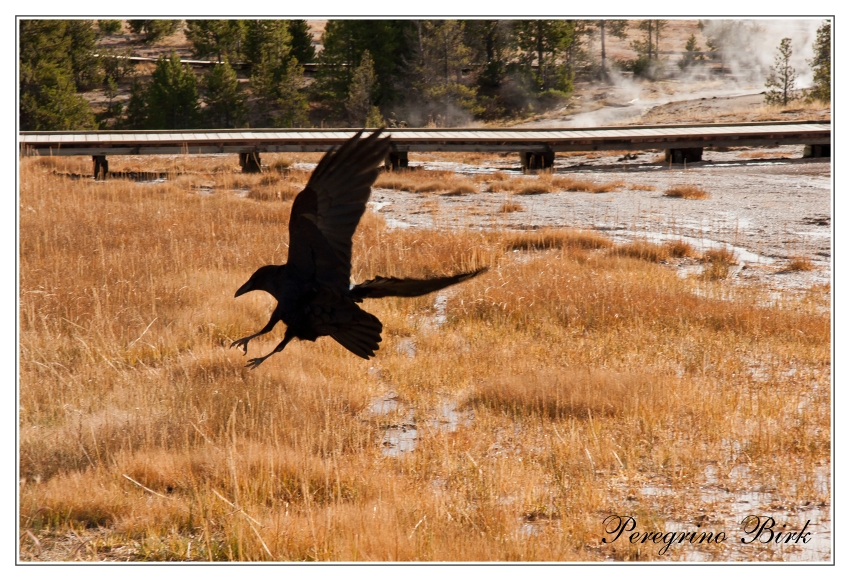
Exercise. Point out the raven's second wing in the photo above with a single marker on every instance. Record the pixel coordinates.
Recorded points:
(407, 287)
(325, 215)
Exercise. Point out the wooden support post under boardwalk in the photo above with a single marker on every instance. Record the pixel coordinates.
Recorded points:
(250, 162)
(535, 160)
(687, 154)
(101, 166)
(396, 160)
(818, 150)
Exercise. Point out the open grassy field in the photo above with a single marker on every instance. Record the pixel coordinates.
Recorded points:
(504, 419)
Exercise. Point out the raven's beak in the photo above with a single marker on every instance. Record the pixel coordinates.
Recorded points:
(243, 289)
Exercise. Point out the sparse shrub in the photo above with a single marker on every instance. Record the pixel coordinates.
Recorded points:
(280, 166)
(688, 192)
(717, 263)
(680, 249)
(642, 250)
(641, 187)
(422, 181)
(547, 183)
(800, 264)
(460, 187)
(509, 207)
(547, 238)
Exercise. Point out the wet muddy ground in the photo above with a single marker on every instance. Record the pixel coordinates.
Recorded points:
(767, 205)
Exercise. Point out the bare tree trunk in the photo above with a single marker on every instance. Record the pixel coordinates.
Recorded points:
(649, 42)
(602, 37)
(540, 70)
(657, 38)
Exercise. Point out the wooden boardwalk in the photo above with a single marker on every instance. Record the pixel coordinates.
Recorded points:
(102, 143)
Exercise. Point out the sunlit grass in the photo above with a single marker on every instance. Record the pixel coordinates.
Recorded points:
(581, 371)
(688, 192)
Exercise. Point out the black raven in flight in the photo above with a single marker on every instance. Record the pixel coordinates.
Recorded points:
(313, 290)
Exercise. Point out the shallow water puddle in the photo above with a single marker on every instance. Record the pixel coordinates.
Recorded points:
(721, 509)
(403, 435)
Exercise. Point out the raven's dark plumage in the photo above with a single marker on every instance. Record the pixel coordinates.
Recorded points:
(314, 297)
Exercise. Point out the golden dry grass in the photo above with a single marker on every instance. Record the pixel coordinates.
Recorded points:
(688, 192)
(717, 262)
(547, 238)
(509, 207)
(800, 264)
(641, 187)
(547, 182)
(421, 181)
(582, 380)
(645, 250)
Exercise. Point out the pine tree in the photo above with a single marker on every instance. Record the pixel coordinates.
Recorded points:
(170, 101)
(302, 41)
(389, 43)
(690, 57)
(489, 41)
(615, 28)
(780, 82)
(648, 61)
(292, 105)
(225, 103)
(440, 58)
(822, 65)
(274, 77)
(359, 103)
(135, 115)
(87, 70)
(154, 29)
(541, 42)
(108, 27)
(48, 91)
(220, 38)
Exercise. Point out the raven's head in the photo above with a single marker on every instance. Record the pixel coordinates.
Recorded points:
(260, 280)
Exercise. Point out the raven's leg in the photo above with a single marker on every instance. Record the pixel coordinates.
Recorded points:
(254, 363)
(243, 342)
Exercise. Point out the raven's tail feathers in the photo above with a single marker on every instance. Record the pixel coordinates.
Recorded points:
(407, 287)
(361, 336)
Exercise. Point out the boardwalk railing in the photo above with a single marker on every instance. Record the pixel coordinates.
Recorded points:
(537, 147)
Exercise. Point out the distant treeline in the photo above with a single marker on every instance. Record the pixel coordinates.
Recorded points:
(371, 73)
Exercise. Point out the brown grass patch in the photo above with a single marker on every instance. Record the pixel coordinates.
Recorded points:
(547, 183)
(579, 393)
(425, 181)
(642, 250)
(548, 238)
(280, 192)
(641, 187)
(652, 252)
(800, 264)
(680, 249)
(509, 207)
(688, 192)
(578, 379)
(717, 262)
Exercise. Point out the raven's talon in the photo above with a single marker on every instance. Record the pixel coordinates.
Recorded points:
(255, 363)
(241, 343)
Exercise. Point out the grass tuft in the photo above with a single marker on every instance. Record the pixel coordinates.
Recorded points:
(687, 192)
(800, 264)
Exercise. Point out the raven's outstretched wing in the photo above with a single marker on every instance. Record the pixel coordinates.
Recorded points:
(406, 287)
(326, 213)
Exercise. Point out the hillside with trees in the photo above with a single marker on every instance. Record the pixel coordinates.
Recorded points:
(186, 74)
